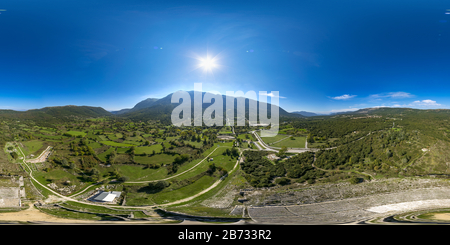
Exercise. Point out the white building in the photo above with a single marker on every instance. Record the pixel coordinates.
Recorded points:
(107, 196)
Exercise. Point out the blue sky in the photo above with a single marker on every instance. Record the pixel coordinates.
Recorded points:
(322, 56)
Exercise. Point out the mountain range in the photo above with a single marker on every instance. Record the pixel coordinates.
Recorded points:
(161, 109)
(151, 108)
(307, 114)
(313, 114)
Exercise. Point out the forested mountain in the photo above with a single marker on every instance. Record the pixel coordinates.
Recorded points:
(49, 115)
(306, 113)
(161, 109)
(141, 105)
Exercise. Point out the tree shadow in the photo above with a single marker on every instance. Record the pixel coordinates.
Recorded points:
(150, 190)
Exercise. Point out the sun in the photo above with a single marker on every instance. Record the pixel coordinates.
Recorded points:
(207, 64)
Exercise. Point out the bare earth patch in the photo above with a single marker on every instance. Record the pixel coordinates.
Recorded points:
(32, 214)
(441, 216)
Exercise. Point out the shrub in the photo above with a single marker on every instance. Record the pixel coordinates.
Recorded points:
(123, 179)
(14, 155)
(282, 181)
(354, 180)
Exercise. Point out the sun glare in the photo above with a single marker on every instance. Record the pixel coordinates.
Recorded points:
(207, 63)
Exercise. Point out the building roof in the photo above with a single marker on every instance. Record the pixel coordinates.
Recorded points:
(117, 193)
(107, 196)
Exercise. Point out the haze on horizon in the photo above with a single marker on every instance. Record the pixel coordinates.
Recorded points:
(322, 56)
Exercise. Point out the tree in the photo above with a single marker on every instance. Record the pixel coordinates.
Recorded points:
(283, 181)
(94, 171)
(211, 169)
(310, 138)
(14, 155)
(282, 151)
(162, 184)
(64, 162)
(177, 159)
(123, 179)
(91, 151)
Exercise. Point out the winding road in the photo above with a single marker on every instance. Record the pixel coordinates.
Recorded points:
(261, 143)
(66, 198)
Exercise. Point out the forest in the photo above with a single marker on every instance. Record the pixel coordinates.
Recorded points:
(260, 172)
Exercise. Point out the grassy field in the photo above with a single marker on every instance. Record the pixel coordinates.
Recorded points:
(103, 155)
(269, 140)
(102, 137)
(112, 137)
(156, 159)
(56, 175)
(298, 142)
(141, 172)
(76, 133)
(112, 143)
(131, 142)
(194, 143)
(123, 150)
(95, 145)
(168, 195)
(285, 130)
(47, 132)
(52, 137)
(148, 149)
(30, 147)
(243, 136)
(184, 192)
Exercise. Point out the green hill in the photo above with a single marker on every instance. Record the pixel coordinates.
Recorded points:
(50, 115)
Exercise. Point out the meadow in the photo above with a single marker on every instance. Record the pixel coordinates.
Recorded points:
(297, 142)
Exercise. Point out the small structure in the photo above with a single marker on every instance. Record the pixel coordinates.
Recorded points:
(273, 157)
(211, 159)
(424, 149)
(107, 196)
